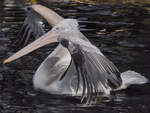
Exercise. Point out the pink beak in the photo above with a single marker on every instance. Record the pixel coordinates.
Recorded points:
(48, 38)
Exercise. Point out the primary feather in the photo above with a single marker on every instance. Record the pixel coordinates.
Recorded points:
(33, 26)
(98, 74)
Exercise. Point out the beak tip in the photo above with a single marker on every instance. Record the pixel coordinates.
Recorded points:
(5, 61)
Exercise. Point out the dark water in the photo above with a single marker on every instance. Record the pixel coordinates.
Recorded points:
(120, 31)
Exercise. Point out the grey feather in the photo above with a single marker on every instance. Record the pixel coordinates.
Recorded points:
(99, 75)
(33, 26)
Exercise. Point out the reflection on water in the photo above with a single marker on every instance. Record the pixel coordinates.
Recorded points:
(99, 1)
(113, 1)
(120, 31)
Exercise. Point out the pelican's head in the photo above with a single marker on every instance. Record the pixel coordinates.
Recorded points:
(65, 29)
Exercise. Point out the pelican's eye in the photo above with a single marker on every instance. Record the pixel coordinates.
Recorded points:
(57, 28)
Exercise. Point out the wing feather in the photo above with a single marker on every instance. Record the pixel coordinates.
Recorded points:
(99, 75)
(33, 26)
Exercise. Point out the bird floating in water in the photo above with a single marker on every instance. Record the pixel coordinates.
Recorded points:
(76, 67)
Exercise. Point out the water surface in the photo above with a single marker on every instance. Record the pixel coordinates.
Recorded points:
(120, 31)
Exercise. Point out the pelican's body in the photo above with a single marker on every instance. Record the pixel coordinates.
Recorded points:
(75, 67)
(53, 63)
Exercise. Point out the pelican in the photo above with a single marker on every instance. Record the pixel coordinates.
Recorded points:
(76, 67)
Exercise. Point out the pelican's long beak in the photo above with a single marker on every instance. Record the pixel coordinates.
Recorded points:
(48, 38)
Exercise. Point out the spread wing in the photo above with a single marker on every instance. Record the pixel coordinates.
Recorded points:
(33, 26)
(98, 74)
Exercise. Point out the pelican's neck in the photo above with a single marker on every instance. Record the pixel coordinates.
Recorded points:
(52, 17)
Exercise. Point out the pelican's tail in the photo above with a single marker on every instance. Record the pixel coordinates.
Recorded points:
(130, 78)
